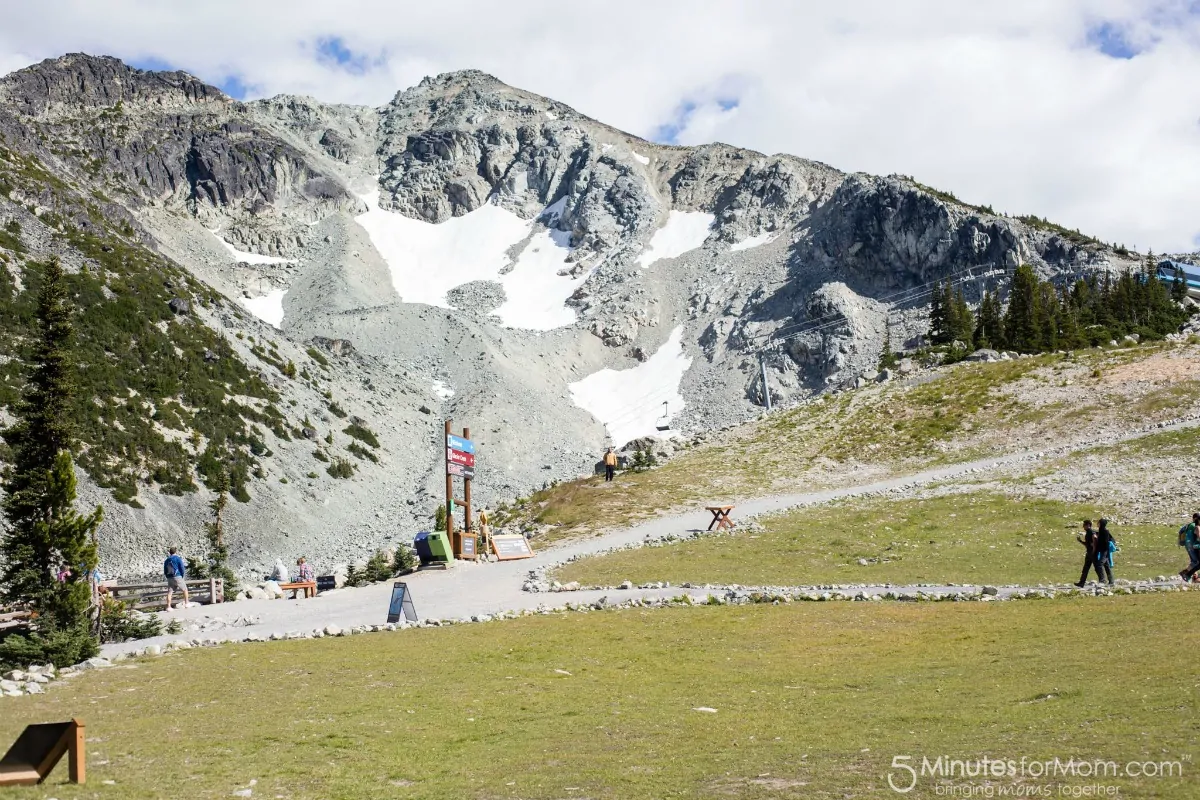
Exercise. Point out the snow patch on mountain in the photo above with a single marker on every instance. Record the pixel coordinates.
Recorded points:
(684, 231)
(245, 257)
(752, 241)
(536, 292)
(428, 260)
(268, 308)
(630, 401)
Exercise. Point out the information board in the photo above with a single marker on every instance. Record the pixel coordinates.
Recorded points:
(508, 548)
(401, 604)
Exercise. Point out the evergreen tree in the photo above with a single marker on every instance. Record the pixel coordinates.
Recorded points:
(962, 320)
(887, 358)
(46, 537)
(1020, 322)
(989, 323)
(1179, 287)
(938, 322)
(218, 553)
(1047, 315)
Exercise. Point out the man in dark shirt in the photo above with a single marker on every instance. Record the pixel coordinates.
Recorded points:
(1088, 540)
(176, 574)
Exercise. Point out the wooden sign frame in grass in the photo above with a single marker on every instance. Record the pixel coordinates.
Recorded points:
(511, 547)
(38, 750)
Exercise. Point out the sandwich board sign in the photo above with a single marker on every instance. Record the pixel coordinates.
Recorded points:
(401, 604)
(511, 547)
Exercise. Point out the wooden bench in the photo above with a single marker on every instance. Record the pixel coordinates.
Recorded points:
(153, 596)
(308, 587)
(720, 517)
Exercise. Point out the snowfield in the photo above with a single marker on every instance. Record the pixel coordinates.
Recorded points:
(630, 401)
(426, 261)
(684, 231)
(641, 159)
(752, 241)
(244, 257)
(536, 294)
(268, 308)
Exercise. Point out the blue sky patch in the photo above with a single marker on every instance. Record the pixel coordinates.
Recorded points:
(668, 132)
(332, 51)
(1112, 40)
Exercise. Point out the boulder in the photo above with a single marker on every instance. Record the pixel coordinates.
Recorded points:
(332, 630)
(256, 593)
(273, 591)
(983, 354)
(179, 306)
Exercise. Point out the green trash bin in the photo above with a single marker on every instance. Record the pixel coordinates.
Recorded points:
(439, 546)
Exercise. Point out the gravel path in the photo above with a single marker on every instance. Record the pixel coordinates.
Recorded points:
(470, 589)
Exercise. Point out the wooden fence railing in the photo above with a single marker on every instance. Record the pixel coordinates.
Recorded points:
(10, 618)
(147, 596)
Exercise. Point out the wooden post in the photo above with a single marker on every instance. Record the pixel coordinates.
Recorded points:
(467, 492)
(449, 491)
(77, 752)
(212, 590)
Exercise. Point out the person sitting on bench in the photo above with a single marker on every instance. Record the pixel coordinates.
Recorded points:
(306, 574)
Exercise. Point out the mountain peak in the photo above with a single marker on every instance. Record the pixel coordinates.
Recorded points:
(80, 80)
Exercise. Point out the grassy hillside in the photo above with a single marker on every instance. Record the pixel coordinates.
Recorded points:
(162, 398)
(946, 416)
(811, 700)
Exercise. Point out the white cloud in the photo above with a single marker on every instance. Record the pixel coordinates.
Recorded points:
(1000, 101)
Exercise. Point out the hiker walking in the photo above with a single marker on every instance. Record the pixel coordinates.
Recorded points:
(176, 573)
(1189, 539)
(1106, 545)
(610, 465)
(1088, 540)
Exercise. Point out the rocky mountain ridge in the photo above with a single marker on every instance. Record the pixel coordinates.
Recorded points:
(488, 255)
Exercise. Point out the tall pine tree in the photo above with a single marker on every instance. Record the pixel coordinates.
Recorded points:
(1020, 322)
(49, 550)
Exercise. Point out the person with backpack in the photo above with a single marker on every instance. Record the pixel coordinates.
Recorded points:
(1106, 545)
(1190, 541)
(176, 574)
(1088, 540)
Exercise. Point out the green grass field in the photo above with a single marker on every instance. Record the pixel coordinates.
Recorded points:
(971, 538)
(812, 701)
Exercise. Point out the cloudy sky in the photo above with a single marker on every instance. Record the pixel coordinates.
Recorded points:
(1083, 111)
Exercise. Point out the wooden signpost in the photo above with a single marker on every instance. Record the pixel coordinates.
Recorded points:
(460, 463)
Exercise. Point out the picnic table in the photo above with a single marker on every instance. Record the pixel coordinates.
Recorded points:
(720, 517)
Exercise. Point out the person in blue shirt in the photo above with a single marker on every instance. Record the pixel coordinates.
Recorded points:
(176, 574)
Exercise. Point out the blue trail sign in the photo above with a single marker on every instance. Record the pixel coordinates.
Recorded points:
(460, 444)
